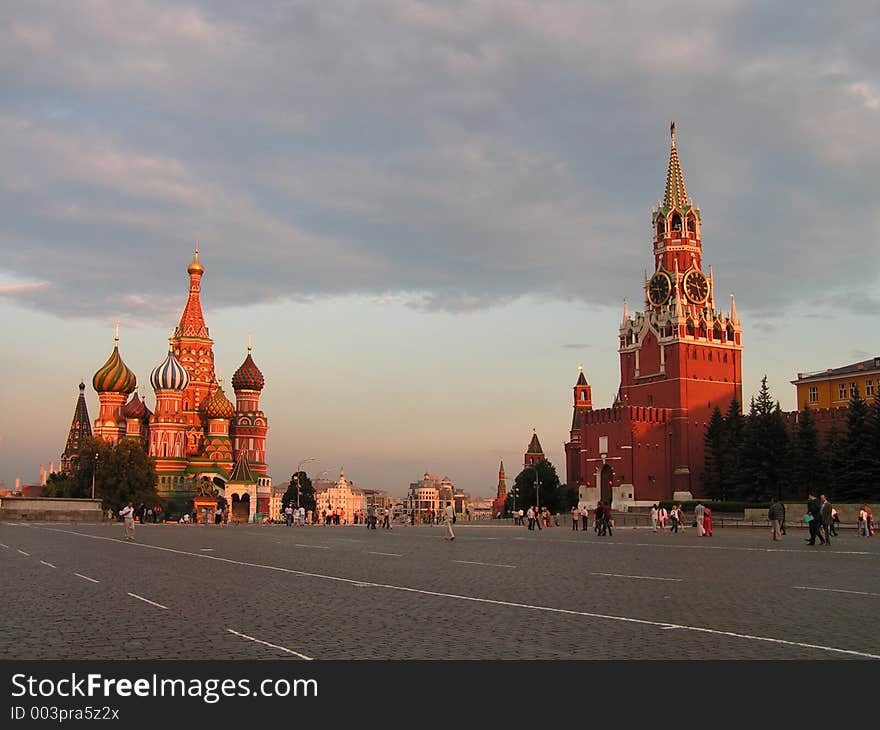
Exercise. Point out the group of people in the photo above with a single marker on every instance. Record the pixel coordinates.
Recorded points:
(822, 520)
(866, 522)
(675, 516)
(536, 517)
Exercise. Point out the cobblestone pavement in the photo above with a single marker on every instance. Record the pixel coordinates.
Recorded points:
(266, 592)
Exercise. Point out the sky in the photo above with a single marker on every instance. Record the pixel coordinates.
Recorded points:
(426, 214)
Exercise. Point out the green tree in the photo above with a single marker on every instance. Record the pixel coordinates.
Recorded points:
(300, 492)
(808, 468)
(874, 433)
(836, 462)
(554, 496)
(762, 456)
(714, 443)
(856, 482)
(735, 424)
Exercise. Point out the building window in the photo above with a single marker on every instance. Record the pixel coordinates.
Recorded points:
(814, 394)
(869, 388)
(841, 391)
(853, 389)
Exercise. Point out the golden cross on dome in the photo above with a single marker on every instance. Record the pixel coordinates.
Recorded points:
(116, 335)
(581, 368)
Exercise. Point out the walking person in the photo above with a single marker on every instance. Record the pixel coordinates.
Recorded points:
(288, 515)
(835, 520)
(673, 519)
(585, 518)
(663, 516)
(707, 523)
(127, 515)
(449, 514)
(699, 514)
(598, 516)
(814, 520)
(607, 521)
(776, 514)
(825, 515)
(655, 516)
(575, 518)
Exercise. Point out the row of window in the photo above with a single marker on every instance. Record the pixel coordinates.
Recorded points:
(845, 391)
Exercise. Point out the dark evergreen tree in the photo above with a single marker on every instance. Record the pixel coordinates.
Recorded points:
(735, 424)
(807, 463)
(836, 463)
(762, 456)
(300, 492)
(856, 483)
(715, 450)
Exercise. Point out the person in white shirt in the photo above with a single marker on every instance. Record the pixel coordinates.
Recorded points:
(450, 517)
(655, 516)
(585, 518)
(127, 515)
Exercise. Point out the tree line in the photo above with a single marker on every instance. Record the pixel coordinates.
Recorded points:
(755, 457)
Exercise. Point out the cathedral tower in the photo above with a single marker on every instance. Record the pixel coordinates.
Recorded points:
(194, 349)
(80, 428)
(250, 426)
(113, 382)
(168, 424)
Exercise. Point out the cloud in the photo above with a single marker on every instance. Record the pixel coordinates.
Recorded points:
(453, 157)
(14, 289)
(577, 346)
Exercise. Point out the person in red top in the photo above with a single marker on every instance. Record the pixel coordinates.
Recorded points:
(606, 518)
(707, 523)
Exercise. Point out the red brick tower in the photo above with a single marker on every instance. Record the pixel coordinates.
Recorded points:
(194, 349)
(113, 382)
(501, 495)
(249, 426)
(534, 454)
(679, 359)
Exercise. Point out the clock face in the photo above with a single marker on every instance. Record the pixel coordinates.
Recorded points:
(659, 288)
(696, 286)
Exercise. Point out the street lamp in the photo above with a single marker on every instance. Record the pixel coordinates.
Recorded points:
(93, 474)
(537, 485)
(296, 476)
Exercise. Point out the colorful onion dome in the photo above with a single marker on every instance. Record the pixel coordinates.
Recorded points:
(135, 408)
(218, 406)
(248, 376)
(114, 375)
(170, 375)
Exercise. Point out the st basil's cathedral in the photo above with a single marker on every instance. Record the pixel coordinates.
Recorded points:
(200, 442)
(679, 359)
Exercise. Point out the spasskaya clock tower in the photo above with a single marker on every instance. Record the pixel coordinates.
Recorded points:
(679, 359)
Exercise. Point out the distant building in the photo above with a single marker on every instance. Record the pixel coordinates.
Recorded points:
(833, 388)
(340, 495)
(431, 494)
(497, 505)
(534, 452)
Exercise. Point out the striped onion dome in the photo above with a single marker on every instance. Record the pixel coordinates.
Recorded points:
(135, 408)
(218, 406)
(248, 376)
(114, 376)
(170, 375)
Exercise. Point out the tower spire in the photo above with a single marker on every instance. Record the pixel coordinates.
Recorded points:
(734, 317)
(675, 195)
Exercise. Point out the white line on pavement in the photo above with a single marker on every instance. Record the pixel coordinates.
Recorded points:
(85, 577)
(266, 643)
(207, 550)
(392, 555)
(835, 590)
(23, 552)
(147, 600)
(316, 547)
(49, 564)
(3, 546)
(491, 565)
(489, 601)
(640, 577)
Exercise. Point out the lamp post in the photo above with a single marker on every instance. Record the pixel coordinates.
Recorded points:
(93, 474)
(537, 486)
(296, 476)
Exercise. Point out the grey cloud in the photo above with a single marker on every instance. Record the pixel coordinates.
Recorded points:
(457, 156)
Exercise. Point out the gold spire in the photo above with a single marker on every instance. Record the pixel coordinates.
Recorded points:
(676, 194)
(195, 267)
